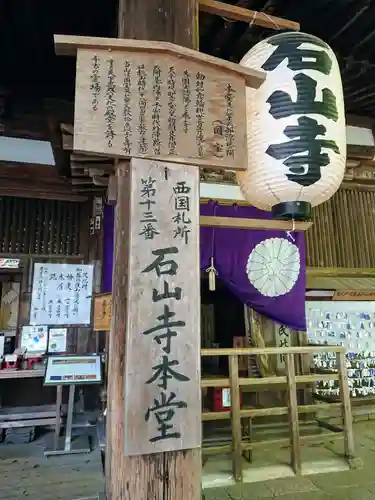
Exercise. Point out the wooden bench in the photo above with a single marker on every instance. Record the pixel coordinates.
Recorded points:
(34, 416)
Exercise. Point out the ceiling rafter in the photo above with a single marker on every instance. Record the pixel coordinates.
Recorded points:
(237, 13)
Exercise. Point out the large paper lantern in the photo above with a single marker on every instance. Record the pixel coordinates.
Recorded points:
(295, 126)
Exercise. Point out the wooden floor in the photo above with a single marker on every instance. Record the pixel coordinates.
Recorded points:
(26, 474)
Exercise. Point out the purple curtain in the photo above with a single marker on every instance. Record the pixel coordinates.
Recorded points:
(230, 249)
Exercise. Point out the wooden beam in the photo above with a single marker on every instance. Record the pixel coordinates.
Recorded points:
(27, 189)
(61, 160)
(340, 272)
(242, 223)
(359, 121)
(234, 13)
(160, 476)
(293, 414)
(112, 190)
(68, 45)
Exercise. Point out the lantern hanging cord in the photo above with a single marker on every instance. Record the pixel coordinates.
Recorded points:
(270, 18)
(228, 20)
(255, 14)
(289, 233)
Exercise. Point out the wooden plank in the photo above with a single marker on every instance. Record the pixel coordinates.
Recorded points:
(255, 351)
(28, 190)
(102, 312)
(235, 13)
(27, 413)
(4, 374)
(163, 327)
(267, 381)
(235, 418)
(293, 414)
(339, 272)
(208, 416)
(27, 423)
(357, 295)
(112, 190)
(313, 438)
(346, 407)
(267, 443)
(161, 107)
(242, 223)
(71, 44)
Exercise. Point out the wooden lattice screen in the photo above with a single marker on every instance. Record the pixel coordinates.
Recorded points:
(32, 226)
(343, 233)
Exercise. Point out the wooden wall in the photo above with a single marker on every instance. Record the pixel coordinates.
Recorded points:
(43, 230)
(343, 233)
(32, 226)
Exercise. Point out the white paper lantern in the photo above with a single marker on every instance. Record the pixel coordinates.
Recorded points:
(295, 126)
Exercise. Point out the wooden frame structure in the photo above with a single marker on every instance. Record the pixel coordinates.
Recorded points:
(290, 381)
(237, 13)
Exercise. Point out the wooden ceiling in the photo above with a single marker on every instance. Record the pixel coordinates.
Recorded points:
(34, 75)
(347, 25)
(29, 62)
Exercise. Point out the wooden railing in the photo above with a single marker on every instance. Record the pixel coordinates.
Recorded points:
(289, 381)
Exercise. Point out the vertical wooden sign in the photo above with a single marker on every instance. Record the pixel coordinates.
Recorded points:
(162, 367)
(102, 312)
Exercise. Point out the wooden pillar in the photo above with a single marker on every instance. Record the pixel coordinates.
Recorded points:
(161, 476)
(293, 414)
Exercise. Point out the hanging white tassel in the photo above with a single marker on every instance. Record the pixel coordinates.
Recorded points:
(212, 273)
(289, 233)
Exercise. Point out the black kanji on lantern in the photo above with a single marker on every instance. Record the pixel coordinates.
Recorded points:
(303, 153)
(288, 46)
(282, 104)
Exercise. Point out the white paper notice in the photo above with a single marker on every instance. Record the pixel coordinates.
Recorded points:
(34, 338)
(57, 339)
(62, 294)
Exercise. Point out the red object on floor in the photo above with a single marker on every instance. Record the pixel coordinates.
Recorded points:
(11, 365)
(30, 362)
(221, 400)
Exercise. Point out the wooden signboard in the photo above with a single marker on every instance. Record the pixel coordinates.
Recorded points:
(158, 100)
(102, 312)
(359, 295)
(162, 384)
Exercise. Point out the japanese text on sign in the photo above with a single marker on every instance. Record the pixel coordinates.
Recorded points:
(148, 220)
(134, 105)
(181, 218)
(161, 378)
(61, 294)
(283, 339)
(166, 327)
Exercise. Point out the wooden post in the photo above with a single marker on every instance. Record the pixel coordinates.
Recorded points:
(293, 413)
(236, 418)
(346, 406)
(171, 475)
(169, 109)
